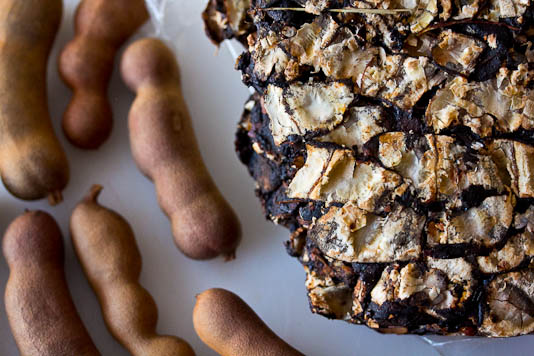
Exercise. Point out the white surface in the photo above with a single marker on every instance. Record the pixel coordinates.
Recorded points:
(270, 281)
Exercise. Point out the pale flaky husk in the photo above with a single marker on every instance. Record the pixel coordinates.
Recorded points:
(399, 151)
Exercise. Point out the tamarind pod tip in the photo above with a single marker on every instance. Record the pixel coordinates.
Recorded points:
(228, 257)
(94, 192)
(55, 198)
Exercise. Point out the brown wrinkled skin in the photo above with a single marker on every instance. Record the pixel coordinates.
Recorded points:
(32, 163)
(165, 149)
(225, 323)
(86, 65)
(107, 250)
(43, 318)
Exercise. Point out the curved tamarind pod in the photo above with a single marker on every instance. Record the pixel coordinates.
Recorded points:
(225, 323)
(86, 65)
(41, 313)
(105, 245)
(33, 164)
(165, 149)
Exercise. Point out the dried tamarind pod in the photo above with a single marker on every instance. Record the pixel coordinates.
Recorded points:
(86, 65)
(105, 245)
(41, 313)
(225, 323)
(33, 164)
(165, 149)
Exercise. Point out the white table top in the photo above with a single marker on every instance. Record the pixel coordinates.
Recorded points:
(263, 274)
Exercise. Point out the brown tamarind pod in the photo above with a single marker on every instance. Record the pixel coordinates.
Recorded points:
(41, 313)
(105, 245)
(165, 149)
(33, 164)
(86, 65)
(225, 323)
